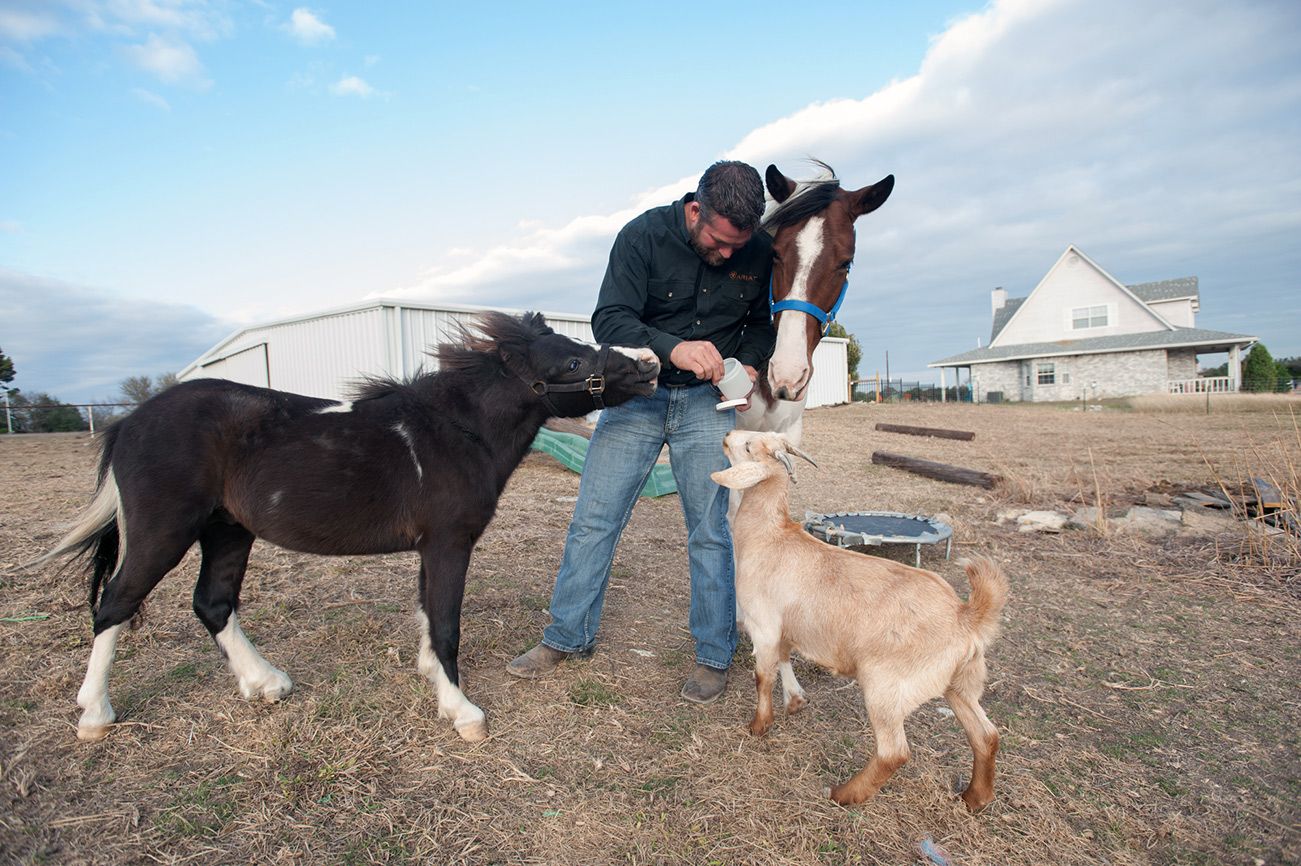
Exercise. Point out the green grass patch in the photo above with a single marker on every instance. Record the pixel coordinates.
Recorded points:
(591, 693)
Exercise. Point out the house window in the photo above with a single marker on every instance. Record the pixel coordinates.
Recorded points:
(1047, 373)
(1089, 317)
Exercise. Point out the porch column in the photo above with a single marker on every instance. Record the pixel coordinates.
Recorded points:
(1235, 368)
(943, 398)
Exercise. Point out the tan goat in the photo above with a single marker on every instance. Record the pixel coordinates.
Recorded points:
(901, 632)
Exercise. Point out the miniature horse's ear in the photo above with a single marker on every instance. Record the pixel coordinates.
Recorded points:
(780, 186)
(869, 198)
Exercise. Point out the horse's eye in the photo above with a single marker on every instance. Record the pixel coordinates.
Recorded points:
(573, 365)
(844, 266)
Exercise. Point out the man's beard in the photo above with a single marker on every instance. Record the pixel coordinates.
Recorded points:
(713, 258)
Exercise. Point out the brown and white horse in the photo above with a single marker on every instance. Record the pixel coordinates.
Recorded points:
(812, 224)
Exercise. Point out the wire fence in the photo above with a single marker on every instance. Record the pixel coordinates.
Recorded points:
(881, 390)
(23, 417)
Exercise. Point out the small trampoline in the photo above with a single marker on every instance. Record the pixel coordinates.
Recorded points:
(872, 528)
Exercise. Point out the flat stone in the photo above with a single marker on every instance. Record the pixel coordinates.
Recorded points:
(1041, 521)
(1150, 521)
(1084, 518)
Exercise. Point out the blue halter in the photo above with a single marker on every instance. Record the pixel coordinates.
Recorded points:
(825, 318)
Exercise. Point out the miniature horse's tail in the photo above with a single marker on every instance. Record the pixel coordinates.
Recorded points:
(98, 534)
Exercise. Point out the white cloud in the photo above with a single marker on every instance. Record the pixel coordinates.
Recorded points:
(150, 98)
(168, 59)
(79, 344)
(351, 85)
(27, 25)
(307, 28)
(1156, 138)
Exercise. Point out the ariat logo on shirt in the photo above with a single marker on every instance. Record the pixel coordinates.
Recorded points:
(749, 278)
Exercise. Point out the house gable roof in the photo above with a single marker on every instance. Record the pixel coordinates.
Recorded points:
(1166, 290)
(1190, 337)
(1071, 249)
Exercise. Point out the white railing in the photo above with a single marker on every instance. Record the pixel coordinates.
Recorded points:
(1205, 385)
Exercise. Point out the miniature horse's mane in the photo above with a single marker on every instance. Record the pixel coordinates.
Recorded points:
(477, 351)
(811, 197)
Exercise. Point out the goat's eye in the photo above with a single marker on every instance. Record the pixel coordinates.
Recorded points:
(573, 365)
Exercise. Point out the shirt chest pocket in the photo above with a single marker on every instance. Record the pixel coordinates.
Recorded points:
(663, 296)
(739, 294)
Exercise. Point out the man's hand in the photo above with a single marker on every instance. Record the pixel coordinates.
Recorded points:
(700, 357)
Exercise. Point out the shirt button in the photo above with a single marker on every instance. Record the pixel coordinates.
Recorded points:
(697, 321)
(670, 294)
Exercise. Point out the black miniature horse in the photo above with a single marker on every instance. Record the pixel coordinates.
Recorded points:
(416, 465)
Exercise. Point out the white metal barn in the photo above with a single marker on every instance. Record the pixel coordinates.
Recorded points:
(325, 354)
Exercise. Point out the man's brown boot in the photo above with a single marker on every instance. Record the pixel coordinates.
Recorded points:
(540, 661)
(705, 685)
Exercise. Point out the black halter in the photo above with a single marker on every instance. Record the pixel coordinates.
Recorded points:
(593, 384)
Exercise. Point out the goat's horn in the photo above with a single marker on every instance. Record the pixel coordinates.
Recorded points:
(785, 460)
(798, 453)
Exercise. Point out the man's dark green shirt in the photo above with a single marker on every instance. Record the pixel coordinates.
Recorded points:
(658, 292)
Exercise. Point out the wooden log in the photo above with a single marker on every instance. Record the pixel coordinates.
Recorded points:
(937, 432)
(1267, 495)
(938, 471)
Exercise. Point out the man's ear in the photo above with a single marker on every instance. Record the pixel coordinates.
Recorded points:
(742, 475)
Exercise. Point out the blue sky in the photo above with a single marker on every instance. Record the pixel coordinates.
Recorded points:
(172, 170)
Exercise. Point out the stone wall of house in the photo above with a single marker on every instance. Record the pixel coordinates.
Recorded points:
(1002, 377)
(1121, 374)
(1182, 363)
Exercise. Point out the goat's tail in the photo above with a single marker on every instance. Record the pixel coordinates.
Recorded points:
(97, 534)
(989, 590)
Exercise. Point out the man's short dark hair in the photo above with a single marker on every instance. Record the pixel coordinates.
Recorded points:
(732, 190)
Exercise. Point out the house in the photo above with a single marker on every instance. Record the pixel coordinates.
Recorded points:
(327, 353)
(1083, 333)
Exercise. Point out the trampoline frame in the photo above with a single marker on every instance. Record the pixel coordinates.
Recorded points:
(823, 526)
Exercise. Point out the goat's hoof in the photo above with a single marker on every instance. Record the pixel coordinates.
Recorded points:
(473, 732)
(977, 801)
(843, 795)
(92, 733)
(795, 704)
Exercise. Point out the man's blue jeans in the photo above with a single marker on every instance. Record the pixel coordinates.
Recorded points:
(624, 447)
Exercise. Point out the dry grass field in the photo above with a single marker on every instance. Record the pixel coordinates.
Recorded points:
(1145, 689)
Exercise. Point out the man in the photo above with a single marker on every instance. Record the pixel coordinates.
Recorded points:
(690, 281)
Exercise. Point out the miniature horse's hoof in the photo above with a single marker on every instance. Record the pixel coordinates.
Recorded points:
(795, 704)
(270, 689)
(473, 732)
(92, 733)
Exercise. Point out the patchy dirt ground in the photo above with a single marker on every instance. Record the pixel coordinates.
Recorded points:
(1146, 689)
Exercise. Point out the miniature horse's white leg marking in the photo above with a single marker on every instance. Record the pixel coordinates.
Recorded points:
(467, 719)
(93, 696)
(257, 677)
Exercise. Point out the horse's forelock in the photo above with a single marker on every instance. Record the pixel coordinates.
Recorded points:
(487, 333)
(811, 197)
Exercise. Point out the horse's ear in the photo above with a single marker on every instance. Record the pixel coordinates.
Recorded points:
(869, 198)
(780, 186)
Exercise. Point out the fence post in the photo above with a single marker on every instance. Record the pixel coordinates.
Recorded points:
(9, 418)
(90, 413)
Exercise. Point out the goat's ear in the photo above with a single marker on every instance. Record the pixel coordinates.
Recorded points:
(742, 475)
